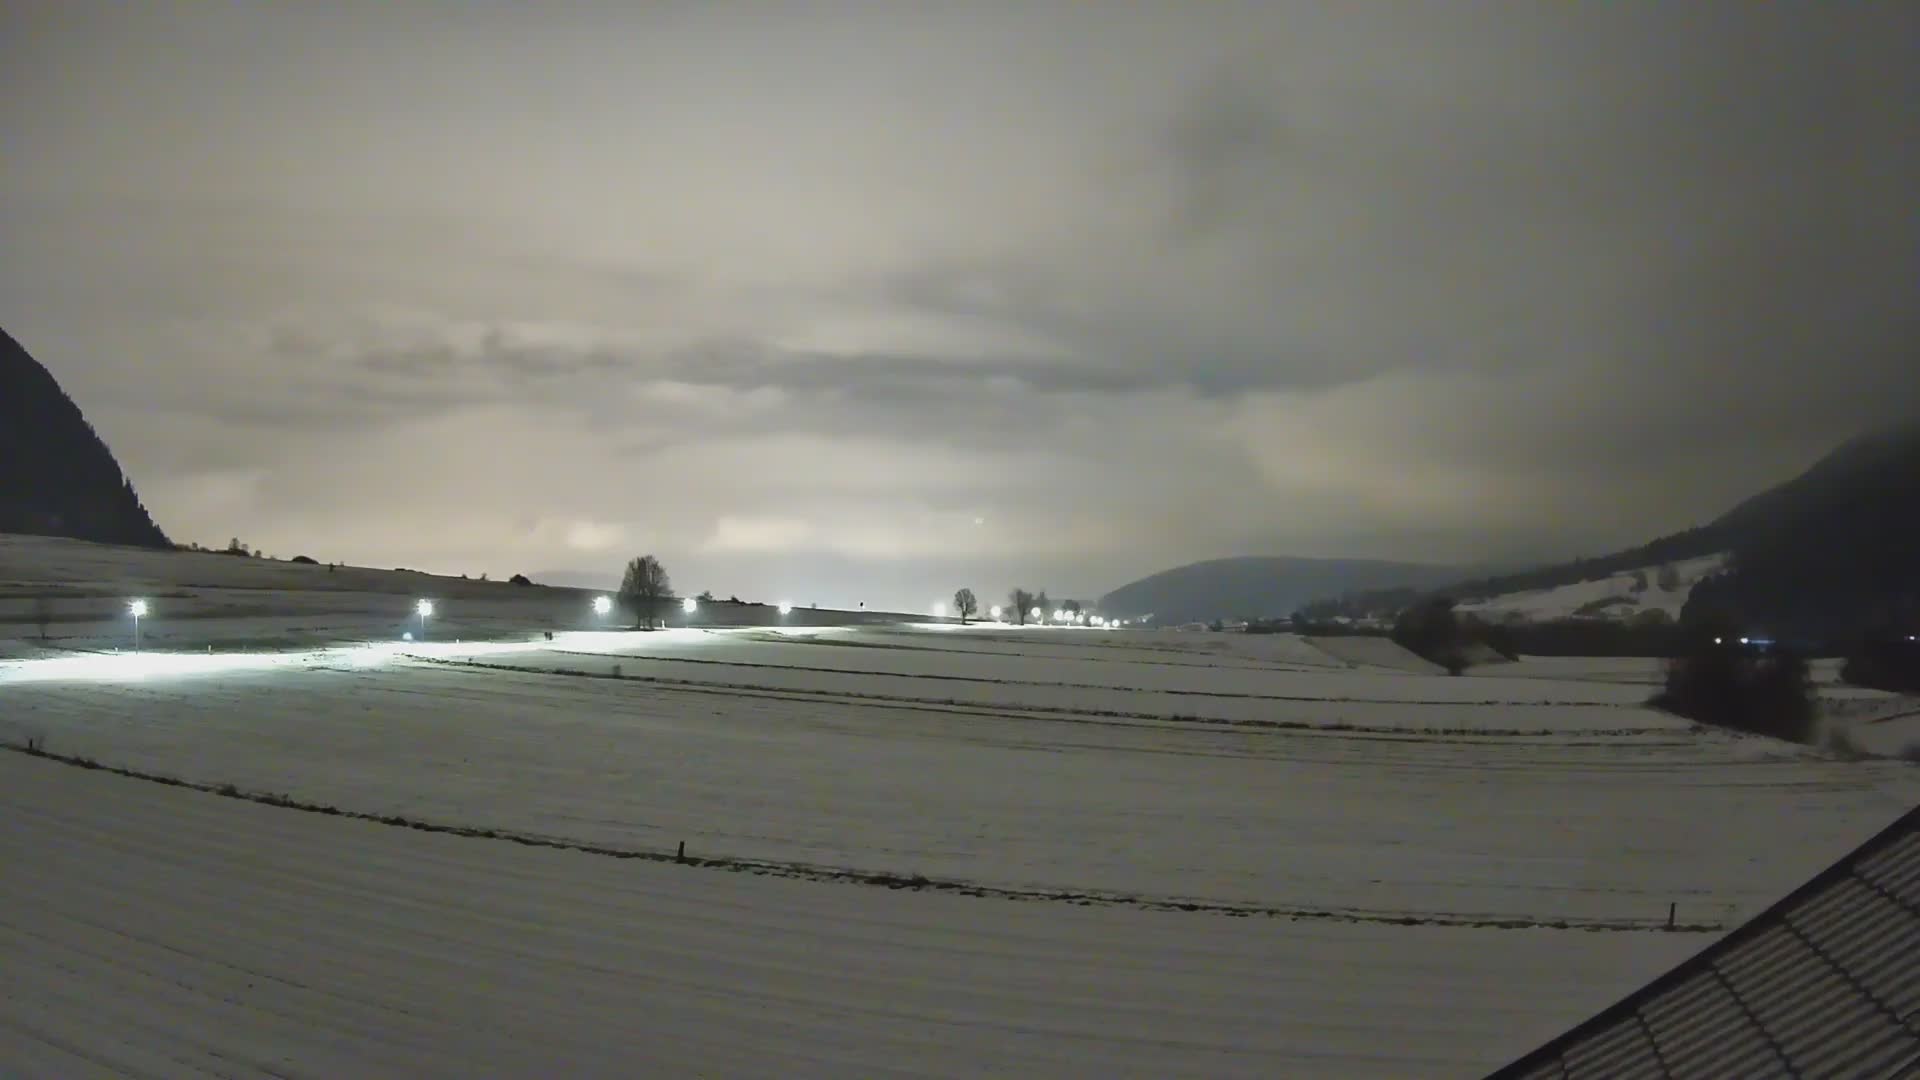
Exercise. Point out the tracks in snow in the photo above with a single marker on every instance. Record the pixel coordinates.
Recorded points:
(1058, 713)
(911, 882)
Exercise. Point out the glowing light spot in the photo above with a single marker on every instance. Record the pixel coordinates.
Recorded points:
(689, 605)
(602, 605)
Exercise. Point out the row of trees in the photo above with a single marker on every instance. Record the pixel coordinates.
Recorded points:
(1021, 605)
(645, 588)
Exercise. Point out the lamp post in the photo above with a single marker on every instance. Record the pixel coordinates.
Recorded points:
(424, 608)
(137, 609)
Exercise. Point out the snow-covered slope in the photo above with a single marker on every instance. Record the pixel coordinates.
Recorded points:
(1620, 597)
(166, 933)
(64, 595)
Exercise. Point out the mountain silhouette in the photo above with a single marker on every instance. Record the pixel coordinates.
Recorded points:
(57, 478)
(1824, 555)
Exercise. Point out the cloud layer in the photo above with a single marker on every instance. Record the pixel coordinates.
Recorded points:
(863, 302)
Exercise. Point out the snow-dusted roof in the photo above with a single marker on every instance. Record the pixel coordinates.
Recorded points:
(1825, 983)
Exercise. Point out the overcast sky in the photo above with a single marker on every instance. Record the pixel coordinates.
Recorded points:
(846, 302)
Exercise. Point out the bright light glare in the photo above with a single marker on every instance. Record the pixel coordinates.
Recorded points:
(786, 608)
(424, 607)
(138, 609)
(602, 605)
(1034, 614)
(993, 612)
(689, 605)
(939, 611)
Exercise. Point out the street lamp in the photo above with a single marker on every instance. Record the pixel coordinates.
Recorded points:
(424, 608)
(786, 608)
(602, 605)
(994, 613)
(1034, 614)
(137, 609)
(689, 605)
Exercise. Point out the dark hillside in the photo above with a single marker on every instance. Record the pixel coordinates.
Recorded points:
(56, 477)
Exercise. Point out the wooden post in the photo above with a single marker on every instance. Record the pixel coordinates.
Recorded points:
(1671, 909)
(681, 855)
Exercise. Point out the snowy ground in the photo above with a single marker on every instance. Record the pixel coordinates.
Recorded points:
(157, 932)
(1370, 820)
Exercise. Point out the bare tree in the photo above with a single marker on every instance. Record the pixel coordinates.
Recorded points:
(1045, 605)
(966, 604)
(1021, 600)
(643, 587)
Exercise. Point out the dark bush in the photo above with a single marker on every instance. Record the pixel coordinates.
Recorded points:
(1722, 683)
(305, 560)
(1430, 631)
(519, 579)
(1886, 660)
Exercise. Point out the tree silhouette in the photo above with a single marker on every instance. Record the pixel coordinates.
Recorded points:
(1022, 601)
(965, 603)
(643, 587)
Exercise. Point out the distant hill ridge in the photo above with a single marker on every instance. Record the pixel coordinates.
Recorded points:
(57, 478)
(1254, 587)
(1829, 552)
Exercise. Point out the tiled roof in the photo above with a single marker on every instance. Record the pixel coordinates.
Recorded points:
(1826, 983)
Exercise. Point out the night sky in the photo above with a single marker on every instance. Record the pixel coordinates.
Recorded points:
(846, 302)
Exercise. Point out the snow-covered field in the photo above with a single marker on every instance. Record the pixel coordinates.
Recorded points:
(1619, 597)
(150, 931)
(1430, 874)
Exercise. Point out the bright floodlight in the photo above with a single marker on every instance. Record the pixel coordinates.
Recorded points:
(786, 608)
(689, 605)
(1034, 614)
(939, 611)
(602, 605)
(994, 612)
(138, 609)
(424, 607)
